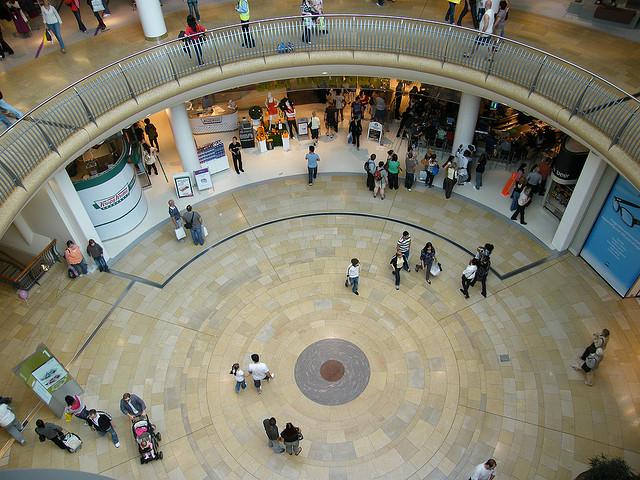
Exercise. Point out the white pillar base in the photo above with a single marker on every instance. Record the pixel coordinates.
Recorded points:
(183, 137)
(594, 168)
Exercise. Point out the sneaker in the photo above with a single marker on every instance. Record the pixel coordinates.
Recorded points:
(117, 444)
(429, 282)
(356, 293)
(273, 375)
(409, 189)
(106, 15)
(476, 187)
(310, 184)
(586, 382)
(397, 287)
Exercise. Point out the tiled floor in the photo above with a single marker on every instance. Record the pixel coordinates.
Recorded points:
(439, 400)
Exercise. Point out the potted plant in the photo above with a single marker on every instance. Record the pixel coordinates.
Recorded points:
(603, 467)
(255, 113)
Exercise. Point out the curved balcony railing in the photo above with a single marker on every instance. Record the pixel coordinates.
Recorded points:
(31, 140)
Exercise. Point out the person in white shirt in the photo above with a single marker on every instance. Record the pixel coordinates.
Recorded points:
(484, 471)
(468, 275)
(314, 126)
(52, 21)
(11, 424)
(523, 201)
(353, 275)
(486, 29)
(238, 374)
(259, 371)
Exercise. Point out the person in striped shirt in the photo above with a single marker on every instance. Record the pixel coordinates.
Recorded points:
(404, 245)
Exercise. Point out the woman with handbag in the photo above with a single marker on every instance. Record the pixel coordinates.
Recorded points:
(52, 22)
(427, 257)
(291, 436)
(195, 34)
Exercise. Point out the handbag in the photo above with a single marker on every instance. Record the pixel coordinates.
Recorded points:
(300, 436)
(435, 269)
(47, 35)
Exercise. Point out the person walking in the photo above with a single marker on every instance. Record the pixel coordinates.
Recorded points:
(150, 155)
(397, 97)
(101, 422)
(331, 119)
(524, 199)
(451, 12)
(259, 371)
(451, 177)
(292, 436)
(238, 374)
(174, 215)
(195, 36)
(309, 15)
(599, 340)
(380, 179)
(4, 47)
(482, 272)
(469, 6)
(432, 169)
(74, 5)
(485, 31)
(132, 405)
(355, 129)
(6, 107)
(193, 9)
(314, 126)
(98, 8)
(50, 431)
(397, 263)
(534, 179)
(427, 257)
(76, 407)
(502, 15)
(404, 245)
(193, 222)
(273, 436)
(95, 251)
(370, 168)
(393, 166)
(353, 275)
(484, 471)
(590, 364)
(410, 165)
(480, 167)
(52, 22)
(152, 133)
(74, 258)
(242, 7)
(235, 147)
(10, 423)
(312, 163)
(468, 274)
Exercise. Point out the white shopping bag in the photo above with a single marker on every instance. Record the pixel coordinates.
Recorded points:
(205, 232)
(180, 233)
(435, 269)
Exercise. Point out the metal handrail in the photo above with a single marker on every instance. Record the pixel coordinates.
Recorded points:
(28, 142)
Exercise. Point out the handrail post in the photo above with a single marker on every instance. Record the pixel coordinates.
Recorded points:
(90, 115)
(133, 95)
(12, 174)
(173, 68)
(44, 134)
(575, 108)
(446, 45)
(622, 128)
(535, 80)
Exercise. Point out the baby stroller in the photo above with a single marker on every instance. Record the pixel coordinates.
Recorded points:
(146, 438)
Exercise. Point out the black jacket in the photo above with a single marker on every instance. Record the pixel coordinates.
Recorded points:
(103, 422)
(272, 430)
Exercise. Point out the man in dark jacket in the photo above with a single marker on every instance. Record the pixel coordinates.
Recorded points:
(50, 431)
(101, 422)
(271, 428)
(95, 251)
(132, 405)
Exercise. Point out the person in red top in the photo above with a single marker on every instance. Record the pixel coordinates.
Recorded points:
(74, 5)
(195, 34)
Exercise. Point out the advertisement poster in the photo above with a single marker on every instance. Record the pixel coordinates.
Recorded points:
(613, 246)
(203, 179)
(43, 373)
(184, 188)
(51, 375)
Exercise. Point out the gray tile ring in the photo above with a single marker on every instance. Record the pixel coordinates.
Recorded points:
(342, 362)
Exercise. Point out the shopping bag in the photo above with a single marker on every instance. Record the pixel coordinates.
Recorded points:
(435, 269)
(205, 232)
(72, 442)
(506, 190)
(422, 175)
(350, 138)
(180, 233)
(68, 416)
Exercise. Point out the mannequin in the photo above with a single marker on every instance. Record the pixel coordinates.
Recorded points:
(272, 108)
(289, 110)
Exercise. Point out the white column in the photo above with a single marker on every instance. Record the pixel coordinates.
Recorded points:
(68, 204)
(466, 122)
(23, 228)
(152, 19)
(183, 137)
(584, 190)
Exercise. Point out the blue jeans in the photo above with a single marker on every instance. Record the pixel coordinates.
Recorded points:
(114, 435)
(193, 9)
(451, 13)
(478, 179)
(313, 173)
(242, 384)
(196, 235)
(55, 29)
(7, 123)
(105, 4)
(276, 446)
(102, 264)
(405, 255)
(10, 109)
(354, 283)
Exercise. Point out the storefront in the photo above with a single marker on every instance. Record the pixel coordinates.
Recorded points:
(205, 117)
(564, 176)
(106, 179)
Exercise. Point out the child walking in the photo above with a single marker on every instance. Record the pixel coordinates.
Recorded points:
(239, 376)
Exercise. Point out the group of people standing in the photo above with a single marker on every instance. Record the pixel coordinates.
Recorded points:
(76, 264)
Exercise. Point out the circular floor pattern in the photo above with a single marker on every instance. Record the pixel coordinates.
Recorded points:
(332, 371)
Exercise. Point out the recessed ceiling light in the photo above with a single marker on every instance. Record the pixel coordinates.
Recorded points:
(325, 73)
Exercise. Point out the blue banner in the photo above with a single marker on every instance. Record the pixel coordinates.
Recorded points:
(613, 246)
